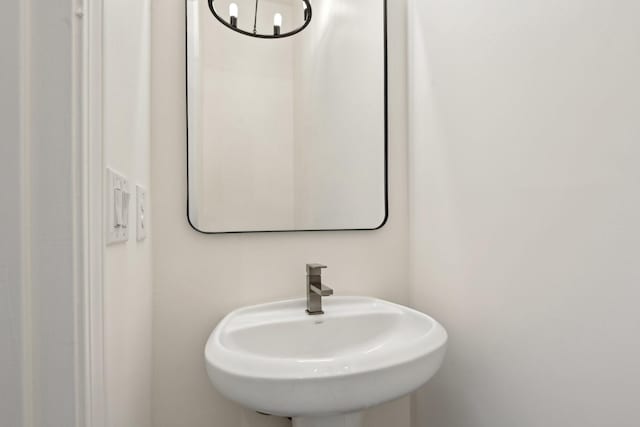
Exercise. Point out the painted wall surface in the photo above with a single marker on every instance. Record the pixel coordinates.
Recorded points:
(199, 278)
(37, 257)
(11, 313)
(525, 205)
(51, 254)
(127, 285)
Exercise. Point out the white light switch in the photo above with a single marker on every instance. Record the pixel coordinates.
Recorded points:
(141, 213)
(117, 207)
(125, 209)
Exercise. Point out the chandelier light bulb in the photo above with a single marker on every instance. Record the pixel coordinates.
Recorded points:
(277, 23)
(233, 15)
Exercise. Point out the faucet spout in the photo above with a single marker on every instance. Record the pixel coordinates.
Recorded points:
(323, 291)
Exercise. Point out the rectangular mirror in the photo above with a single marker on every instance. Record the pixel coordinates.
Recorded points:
(286, 115)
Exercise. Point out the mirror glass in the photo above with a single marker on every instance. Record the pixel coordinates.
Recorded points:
(287, 133)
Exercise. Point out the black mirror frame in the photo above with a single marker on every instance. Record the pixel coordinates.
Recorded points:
(386, 140)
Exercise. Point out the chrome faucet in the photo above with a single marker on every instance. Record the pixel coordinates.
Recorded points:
(315, 289)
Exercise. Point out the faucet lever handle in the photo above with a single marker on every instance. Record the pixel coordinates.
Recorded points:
(322, 290)
(313, 269)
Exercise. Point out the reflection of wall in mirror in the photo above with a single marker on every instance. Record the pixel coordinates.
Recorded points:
(339, 116)
(247, 133)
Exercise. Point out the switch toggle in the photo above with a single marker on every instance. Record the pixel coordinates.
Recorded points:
(141, 213)
(117, 207)
(125, 210)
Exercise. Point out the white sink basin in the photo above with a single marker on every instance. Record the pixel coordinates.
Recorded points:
(277, 359)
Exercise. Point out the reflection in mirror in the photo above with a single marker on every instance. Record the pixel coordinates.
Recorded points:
(254, 20)
(287, 133)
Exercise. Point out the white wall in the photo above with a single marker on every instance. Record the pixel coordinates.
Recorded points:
(127, 270)
(41, 213)
(38, 270)
(199, 278)
(525, 207)
(11, 312)
(51, 156)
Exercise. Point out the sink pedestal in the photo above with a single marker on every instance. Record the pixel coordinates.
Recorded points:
(347, 420)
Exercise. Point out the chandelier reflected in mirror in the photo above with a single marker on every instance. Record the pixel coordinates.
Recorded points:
(267, 19)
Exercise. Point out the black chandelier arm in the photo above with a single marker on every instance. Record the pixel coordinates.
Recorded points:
(308, 15)
(255, 19)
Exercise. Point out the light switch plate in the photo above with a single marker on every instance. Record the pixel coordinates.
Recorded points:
(142, 221)
(117, 207)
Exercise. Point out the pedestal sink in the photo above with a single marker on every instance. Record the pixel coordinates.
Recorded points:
(323, 370)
